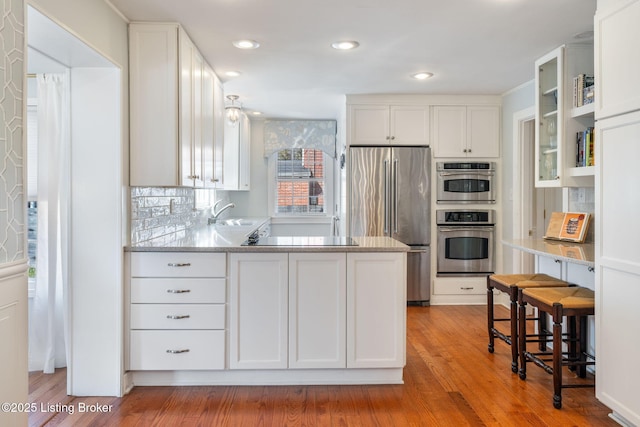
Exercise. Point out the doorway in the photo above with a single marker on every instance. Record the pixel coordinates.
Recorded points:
(89, 299)
(532, 206)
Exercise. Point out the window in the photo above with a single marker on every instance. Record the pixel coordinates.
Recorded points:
(302, 182)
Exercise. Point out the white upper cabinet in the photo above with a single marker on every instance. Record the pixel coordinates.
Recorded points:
(237, 154)
(558, 123)
(208, 131)
(388, 124)
(617, 60)
(218, 133)
(466, 131)
(171, 98)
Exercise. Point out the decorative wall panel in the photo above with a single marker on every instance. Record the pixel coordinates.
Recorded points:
(12, 191)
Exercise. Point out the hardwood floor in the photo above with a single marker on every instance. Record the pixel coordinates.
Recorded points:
(450, 380)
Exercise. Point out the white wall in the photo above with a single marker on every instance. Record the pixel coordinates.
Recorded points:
(99, 167)
(516, 100)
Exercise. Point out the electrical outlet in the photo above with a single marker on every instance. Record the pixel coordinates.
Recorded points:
(582, 195)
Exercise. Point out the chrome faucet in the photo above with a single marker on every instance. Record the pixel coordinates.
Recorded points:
(215, 215)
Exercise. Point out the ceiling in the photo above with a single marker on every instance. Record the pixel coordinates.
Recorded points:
(471, 46)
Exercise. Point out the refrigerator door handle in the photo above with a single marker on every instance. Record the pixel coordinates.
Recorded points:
(386, 197)
(395, 195)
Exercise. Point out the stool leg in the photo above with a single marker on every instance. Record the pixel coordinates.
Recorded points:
(573, 334)
(522, 335)
(514, 328)
(490, 314)
(582, 346)
(542, 328)
(557, 356)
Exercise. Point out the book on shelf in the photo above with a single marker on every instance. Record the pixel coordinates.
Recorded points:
(585, 141)
(580, 82)
(579, 149)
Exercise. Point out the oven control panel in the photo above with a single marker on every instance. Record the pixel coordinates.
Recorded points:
(465, 217)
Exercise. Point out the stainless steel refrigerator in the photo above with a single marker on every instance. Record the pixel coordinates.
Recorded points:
(390, 195)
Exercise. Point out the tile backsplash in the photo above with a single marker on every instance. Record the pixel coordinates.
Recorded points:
(583, 199)
(163, 214)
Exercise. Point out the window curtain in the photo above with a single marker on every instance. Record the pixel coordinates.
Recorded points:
(48, 345)
(309, 134)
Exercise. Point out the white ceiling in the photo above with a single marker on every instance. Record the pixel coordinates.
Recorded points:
(471, 46)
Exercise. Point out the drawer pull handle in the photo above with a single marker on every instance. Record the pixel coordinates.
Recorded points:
(466, 288)
(186, 350)
(179, 264)
(178, 291)
(178, 316)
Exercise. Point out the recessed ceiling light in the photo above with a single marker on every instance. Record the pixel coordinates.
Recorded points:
(246, 44)
(232, 73)
(423, 75)
(256, 113)
(345, 45)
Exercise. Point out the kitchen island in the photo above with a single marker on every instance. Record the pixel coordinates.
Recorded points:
(203, 309)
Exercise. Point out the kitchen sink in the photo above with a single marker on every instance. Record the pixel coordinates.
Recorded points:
(237, 222)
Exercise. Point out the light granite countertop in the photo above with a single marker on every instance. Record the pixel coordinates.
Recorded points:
(577, 253)
(224, 238)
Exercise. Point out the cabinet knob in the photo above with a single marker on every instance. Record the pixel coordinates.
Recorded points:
(469, 150)
(214, 180)
(464, 151)
(393, 137)
(387, 137)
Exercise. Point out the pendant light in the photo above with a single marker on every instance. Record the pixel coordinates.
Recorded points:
(233, 110)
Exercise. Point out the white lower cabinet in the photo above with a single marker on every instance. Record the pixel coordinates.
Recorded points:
(376, 309)
(258, 310)
(317, 310)
(177, 311)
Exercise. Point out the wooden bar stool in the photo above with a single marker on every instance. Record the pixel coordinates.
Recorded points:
(574, 303)
(510, 283)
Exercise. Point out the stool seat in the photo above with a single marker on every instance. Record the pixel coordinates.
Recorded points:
(510, 284)
(573, 303)
(572, 297)
(509, 280)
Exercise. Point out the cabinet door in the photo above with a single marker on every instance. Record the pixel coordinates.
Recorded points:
(483, 131)
(153, 89)
(317, 310)
(218, 132)
(197, 119)
(258, 311)
(369, 125)
(618, 264)
(409, 125)
(550, 266)
(207, 126)
(185, 152)
(244, 179)
(449, 131)
(376, 310)
(232, 155)
(617, 60)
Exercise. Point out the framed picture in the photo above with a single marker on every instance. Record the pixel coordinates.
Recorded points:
(569, 226)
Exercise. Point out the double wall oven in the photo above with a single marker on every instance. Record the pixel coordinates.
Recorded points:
(465, 182)
(465, 242)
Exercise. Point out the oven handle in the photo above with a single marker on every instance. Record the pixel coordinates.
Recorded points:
(466, 173)
(462, 228)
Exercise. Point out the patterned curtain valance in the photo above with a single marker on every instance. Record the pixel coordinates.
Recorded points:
(311, 134)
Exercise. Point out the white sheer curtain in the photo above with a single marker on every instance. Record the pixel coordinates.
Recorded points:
(48, 348)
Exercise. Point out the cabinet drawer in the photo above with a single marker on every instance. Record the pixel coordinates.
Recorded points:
(460, 287)
(177, 316)
(178, 264)
(178, 290)
(177, 350)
